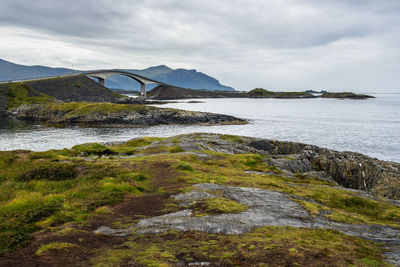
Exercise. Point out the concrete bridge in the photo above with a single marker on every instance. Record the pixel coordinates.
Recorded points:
(102, 75)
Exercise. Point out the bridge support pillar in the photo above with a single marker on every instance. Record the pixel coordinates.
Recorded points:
(143, 90)
(102, 81)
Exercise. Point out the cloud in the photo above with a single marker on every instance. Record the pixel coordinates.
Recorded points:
(285, 44)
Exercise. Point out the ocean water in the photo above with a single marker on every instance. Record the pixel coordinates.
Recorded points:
(370, 126)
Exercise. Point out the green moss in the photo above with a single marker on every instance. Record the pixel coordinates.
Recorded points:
(76, 109)
(232, 138)
(45, 189)
(276, 246)
(217, 206)
(93, 149)
(53, 246)
(184, 167)
(176, 149)
(53, 172)
(260, 92)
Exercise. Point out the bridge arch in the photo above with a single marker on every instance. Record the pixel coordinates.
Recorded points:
(102, 75)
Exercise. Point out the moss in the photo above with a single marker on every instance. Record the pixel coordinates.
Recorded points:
(93, 149)
(184, 167)
(176, 149)
(276, 246)
(53, 246)
(53, 172)
(232, 138)
(76, 109)
(260, 92)
(38, 191)
(217, 206)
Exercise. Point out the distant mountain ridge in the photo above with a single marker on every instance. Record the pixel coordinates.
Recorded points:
(178, 77)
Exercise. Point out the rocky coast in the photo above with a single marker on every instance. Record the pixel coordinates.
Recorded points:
(110, 114)
(198, 199)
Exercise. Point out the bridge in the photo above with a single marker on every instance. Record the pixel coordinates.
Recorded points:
(101, 76)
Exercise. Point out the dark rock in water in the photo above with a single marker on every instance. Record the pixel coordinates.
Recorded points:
(343, 95)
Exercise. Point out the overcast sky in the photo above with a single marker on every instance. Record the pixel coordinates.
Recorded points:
(275, 44)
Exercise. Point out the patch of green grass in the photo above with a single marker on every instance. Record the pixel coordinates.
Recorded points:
(20, 93)
(217, 206)
(176, 149)
(93, 149)
(77, 109)
(184, 167)
(53, 246)
(37, 191)
(232, 138)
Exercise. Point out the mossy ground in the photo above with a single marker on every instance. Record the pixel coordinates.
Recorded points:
(61, 195)
(217, 205)
(20, 93)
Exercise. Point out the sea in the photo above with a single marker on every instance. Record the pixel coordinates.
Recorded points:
(370, 126)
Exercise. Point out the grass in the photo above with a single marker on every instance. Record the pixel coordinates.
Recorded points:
(276, 245)
(41, 190)
(221, 205)
(20, 93)
(260, 92)
(52, 246)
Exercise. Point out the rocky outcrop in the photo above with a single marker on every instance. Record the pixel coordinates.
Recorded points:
(349, 169)
(265, 208)
(343, 95)
(119, 114)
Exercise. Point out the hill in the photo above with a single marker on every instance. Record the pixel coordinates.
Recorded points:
(66, 89)
(178, 77)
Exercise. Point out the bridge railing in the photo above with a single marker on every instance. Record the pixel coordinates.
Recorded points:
(40, 78)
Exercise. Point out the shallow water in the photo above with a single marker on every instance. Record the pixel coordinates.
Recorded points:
(368, 126)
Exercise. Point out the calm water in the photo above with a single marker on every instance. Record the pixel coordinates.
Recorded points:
(368, 126)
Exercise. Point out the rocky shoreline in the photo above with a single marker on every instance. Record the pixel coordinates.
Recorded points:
(188, 199)
(112, 114)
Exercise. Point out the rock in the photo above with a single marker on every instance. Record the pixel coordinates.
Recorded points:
(107, 113)
(266, 208)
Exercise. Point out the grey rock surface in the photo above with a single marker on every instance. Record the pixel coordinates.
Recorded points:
(265, 208)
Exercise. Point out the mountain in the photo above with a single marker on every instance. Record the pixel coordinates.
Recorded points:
(191, 79)
(10, 71)
(177, 77)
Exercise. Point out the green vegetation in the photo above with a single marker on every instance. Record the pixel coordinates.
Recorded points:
(217, 206)
(260, 92)
(51, 246)
(76, 109)
(95, 149)
(232, 138)
(20, 93)
(277, 245)
(62, 190)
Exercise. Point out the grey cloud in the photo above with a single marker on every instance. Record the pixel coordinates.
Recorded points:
(217, 34)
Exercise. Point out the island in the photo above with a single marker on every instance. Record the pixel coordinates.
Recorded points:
(85, 104)
(167, 92)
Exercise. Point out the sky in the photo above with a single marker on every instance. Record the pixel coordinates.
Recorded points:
(336, 45)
